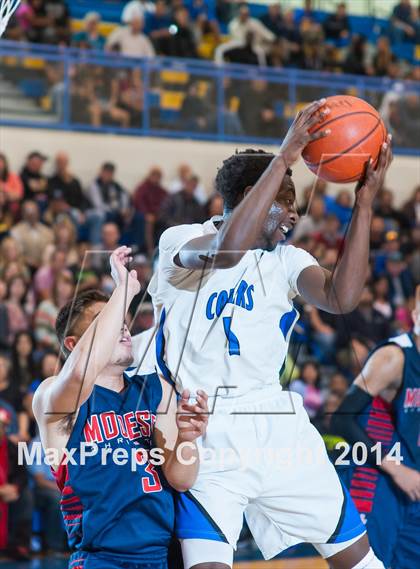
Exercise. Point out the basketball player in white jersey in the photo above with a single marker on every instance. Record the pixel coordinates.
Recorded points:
(223, 295)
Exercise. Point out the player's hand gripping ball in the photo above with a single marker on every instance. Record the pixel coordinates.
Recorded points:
(357, 134)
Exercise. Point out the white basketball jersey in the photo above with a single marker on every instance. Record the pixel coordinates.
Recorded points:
(224, 330)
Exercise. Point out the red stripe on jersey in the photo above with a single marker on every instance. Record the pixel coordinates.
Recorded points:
(363, 506)
(362, 493)
(363, 484)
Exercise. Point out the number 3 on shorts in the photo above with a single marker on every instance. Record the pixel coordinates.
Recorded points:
(233, 342)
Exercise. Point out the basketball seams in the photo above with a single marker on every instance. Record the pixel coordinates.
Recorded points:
(324, 124)
(347, 150)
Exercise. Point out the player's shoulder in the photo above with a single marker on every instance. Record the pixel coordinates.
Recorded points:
(390, 353)
(289, 253)
(172, 236)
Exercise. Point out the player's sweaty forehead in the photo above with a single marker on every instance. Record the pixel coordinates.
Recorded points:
(84, 320)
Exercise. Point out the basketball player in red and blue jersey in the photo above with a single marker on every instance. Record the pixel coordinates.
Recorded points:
(118, 512)
(383, 406)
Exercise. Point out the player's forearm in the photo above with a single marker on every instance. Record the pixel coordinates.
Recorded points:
(244, 226)
(181, 468)
(349, 277)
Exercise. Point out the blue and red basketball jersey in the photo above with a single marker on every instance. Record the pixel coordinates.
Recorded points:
(114, 508)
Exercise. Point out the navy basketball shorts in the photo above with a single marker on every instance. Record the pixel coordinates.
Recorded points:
(84, 560)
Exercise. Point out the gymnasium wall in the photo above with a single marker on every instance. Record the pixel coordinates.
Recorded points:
(134, 156)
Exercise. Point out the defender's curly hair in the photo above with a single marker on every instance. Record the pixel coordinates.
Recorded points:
(241, 170)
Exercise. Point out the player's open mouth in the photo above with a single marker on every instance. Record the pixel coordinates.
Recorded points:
(126, 340)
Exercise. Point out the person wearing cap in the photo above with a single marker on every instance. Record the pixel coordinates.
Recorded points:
(90, 37)
(136, 9)
(130, 40)
(35, 183)
(15, 497)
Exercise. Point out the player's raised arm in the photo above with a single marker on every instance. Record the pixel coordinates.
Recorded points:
(240, 231)
(178, 426)
(339, 292)
(89, 355)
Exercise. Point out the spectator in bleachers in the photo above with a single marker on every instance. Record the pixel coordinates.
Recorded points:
(182, 207)
(207, 36)
(356, 59)
(400, 279)
(47, 501)
(337, 26)
(6, 217)
(244, 23)
(181, 42)
(312, 221)
(308, 386)
(244, 53)
(329, 234)
(4, 318)
(157, 26)
(255, 95)
(35, 183)
(15, 497)
(381, 297)
(292, 38)
(411, 208)
(196, 113)
(11, 394)
(383, 57)
(64, 180)
(90, 37)
(277, 56)
(107, 196)
(10, 183)
(23, 362)
(32, 235)
(18, 306)
(148, 199)
(130, 40)
(384, 207)
(270, 125)
(54, 264)
(11, 254)
(273, 19)
(184, 173)
(364, 322)
(110, 240)
(404, 26)
(59, 15)
(243, 29)
(47, 311)
(409, 119)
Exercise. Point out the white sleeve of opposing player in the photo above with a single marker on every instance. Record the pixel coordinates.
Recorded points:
(294, 261)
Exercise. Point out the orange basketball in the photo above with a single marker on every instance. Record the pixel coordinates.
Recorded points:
(357, 133)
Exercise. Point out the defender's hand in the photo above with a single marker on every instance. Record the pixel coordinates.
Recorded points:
(373, 179)
(192, 420)
(407, 479)
(298, 135)
(122, 277)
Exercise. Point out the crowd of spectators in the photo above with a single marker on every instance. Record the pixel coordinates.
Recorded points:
(178, 28)
(49, 226)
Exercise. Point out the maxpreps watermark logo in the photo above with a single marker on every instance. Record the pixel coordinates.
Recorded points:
(88, 453)
(280, 458)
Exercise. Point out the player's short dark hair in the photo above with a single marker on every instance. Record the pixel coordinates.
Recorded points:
(241, 170)
(69, 314)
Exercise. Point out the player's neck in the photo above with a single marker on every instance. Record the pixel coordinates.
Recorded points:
(112, 378)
